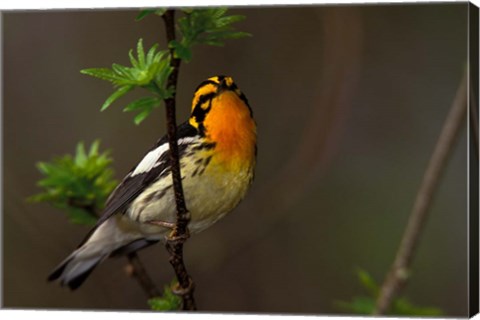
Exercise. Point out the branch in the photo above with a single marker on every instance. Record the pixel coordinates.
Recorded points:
(179, 234)
(399, 271)
(136, 269)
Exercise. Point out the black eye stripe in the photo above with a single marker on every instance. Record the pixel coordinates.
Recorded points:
(204, 98)
(199, 113)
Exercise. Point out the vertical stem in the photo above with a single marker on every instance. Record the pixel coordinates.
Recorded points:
(179, 235)
(398, 275)
(182, 216)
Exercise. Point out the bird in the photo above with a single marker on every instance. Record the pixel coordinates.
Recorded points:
(217, 148)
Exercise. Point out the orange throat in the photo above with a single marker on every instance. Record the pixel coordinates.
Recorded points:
(229, 124)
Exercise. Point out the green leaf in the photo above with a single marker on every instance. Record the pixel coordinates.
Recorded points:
(151, 54)
(216, 38)
(147, 12)
(181, 51)
(81, 157)
(225, 21)
(120, 92)
(368, 282)
(94, 148)
(163, 73)
(168, 302)
(43, 167)
(359, 305)
(133, 61)
(101, 73)
(366, 304)
(402, 306)
(140, 54)
(142, 103)
(161, 11)
(81, 216)
(123, 72)
(142, 116)
(78, 184)
(144, 13)
(205, 26)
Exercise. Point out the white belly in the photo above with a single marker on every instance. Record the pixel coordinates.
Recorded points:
(208, 197)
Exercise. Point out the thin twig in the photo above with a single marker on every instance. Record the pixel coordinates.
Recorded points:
(179, 234)
(399, 271)
(136, 269)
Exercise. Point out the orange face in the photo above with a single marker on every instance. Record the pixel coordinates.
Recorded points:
(231, 126)
(221, 112)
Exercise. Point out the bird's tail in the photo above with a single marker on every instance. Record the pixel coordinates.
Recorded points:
(104, 241)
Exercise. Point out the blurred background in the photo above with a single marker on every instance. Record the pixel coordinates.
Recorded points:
(349, 102)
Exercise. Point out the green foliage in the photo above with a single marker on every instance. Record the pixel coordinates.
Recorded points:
(402, 306)
(358, 305)
(367, 281)
(204, 26)
(200, 26)
(149, 71)
(366, 304)
(80, 184)
(168, 302)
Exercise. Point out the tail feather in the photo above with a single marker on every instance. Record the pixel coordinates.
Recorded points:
(57, 272)
(73, 271)
(133, 246)
(76, 282)
(105, 241)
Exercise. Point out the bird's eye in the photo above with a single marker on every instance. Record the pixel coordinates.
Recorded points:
(206, 105)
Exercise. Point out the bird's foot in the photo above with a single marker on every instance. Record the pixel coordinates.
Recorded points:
(180, 291)
(160, 223)
(175, 237)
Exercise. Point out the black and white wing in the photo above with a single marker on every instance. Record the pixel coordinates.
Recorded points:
(154, 165)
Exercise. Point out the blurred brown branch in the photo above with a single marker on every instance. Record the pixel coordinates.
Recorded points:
(179, 234)
(136, 269)
(399, 272)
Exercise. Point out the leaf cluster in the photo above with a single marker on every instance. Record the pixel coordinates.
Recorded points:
(148, 70)
(79, 184)
(204, 26)
(151, 70)
(167, 302)
(366, 304)
(209, 26)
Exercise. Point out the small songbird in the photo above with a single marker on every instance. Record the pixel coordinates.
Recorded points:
(217, 150)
